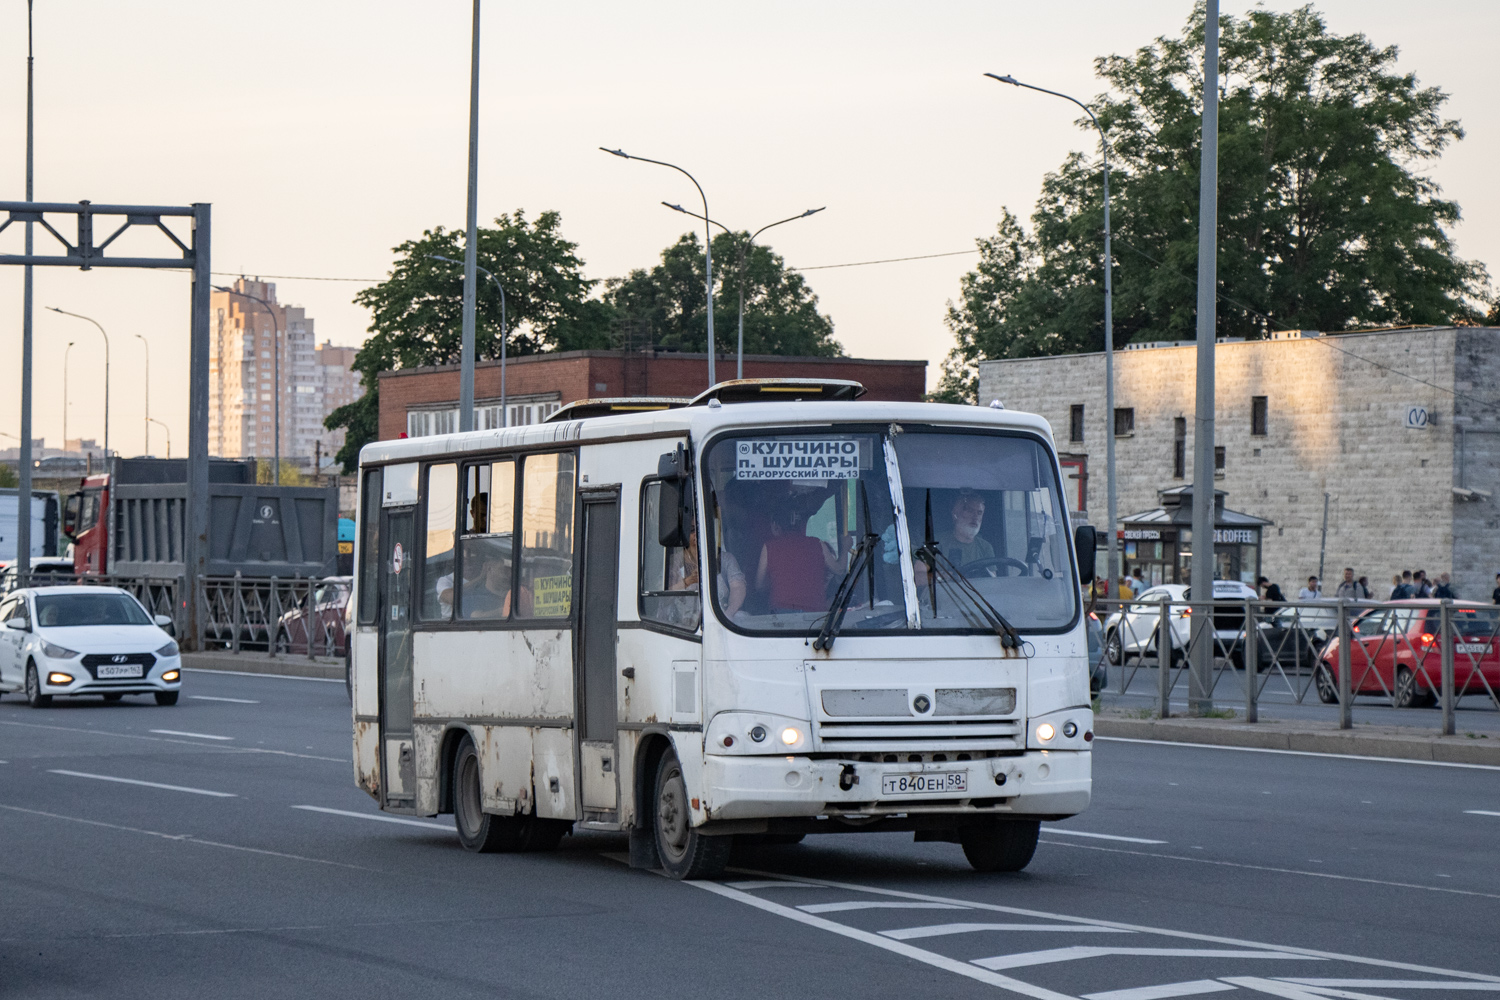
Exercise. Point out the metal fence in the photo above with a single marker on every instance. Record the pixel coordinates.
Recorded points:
(1408, 654)
(158, 595)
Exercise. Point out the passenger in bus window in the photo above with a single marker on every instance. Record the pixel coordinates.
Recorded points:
(961, 543)
(730, 581)
(794, 567)
(493, 599)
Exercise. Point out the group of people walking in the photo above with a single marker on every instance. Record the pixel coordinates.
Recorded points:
(1405, 585)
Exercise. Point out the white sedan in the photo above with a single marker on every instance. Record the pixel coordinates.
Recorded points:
(85, 640)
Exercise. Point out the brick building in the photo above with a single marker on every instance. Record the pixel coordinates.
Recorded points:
(1400, 428)
(422, 401)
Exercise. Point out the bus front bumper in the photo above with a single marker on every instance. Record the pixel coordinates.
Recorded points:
(1039, 783)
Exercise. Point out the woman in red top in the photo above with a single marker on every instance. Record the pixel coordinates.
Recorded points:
(795, 566)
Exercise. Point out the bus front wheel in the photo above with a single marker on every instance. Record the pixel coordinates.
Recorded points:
(685, 852)
(1004, 847)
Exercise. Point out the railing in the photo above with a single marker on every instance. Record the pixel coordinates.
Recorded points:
(159, 595)
(1407, 654)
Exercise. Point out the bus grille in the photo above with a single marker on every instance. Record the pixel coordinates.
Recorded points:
(923, 734)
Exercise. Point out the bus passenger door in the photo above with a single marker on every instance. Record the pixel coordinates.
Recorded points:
(397, 568)
(594, 678)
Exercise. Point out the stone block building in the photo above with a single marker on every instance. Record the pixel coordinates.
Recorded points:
(1400, 428)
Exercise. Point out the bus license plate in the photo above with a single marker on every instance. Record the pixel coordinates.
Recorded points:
(113, 670)
(925, 784)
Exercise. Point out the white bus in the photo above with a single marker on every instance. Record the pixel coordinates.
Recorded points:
(769, 611)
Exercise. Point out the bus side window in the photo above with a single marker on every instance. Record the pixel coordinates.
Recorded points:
(670, 591)
(547, 488)
(442, 517)
(369, 548)
(485, 551)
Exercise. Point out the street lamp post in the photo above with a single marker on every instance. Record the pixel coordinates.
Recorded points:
(276, 372)
(708, 249)
(168, 431)
(106, 372)
(471, 248)
(147, 346)
(744, 249)
(1112, 545)
(504, 412)
(66, 351)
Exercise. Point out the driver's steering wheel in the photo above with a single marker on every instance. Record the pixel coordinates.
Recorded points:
(970, 568)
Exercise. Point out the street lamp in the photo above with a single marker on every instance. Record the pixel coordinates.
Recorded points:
(147, 346)
(106, 372)
(1112, 545)
(708, 249)
(744, 249)
(169, 433)
(504, 412)
(68, 350)
(276, 368)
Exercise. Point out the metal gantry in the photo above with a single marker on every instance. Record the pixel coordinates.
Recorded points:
(85, 253)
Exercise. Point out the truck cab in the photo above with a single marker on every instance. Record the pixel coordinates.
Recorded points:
(85, 525)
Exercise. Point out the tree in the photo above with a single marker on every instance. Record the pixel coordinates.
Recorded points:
(781, 311)
(1323, 222)
(418, 310)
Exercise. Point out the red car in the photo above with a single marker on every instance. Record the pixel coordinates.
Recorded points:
(329, 599)
(1396, 652)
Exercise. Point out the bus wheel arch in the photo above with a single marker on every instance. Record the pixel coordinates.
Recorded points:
(452, 739)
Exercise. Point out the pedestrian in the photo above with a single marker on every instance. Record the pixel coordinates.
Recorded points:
(1421, 583)
(1396, 584)
(1444, 588)
(1495, 597)
(1348, 586)
(1311, 592)
(1404, 590)
(1136, 580)
(1273, 592)
(1126, 591)
(1365, 593)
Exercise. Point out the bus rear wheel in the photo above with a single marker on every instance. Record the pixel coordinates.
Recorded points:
(1004, 847)
(478, 830)
(685, 852)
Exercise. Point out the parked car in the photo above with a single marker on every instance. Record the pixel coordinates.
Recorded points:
(1132, 630)
(1396, 652)
(46, 571)
(66, 641)
(1294, 637)
(325, 619)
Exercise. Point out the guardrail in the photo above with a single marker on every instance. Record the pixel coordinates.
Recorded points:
(158, 595)
(1408, 653)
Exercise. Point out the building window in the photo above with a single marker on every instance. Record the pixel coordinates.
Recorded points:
(1219, 461)
(1258, 416)
(1124, 421)
(1179, 448)
(1075, 422)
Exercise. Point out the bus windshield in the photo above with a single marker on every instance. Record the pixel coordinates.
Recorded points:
(790, 512)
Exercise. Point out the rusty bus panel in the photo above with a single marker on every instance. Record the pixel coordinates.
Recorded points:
(552, 756)
(504, 767)
(367, 756)
(427, 739)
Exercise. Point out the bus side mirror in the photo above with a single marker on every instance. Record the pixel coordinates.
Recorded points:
(1085, 543)
(674, 512)
(71, 508)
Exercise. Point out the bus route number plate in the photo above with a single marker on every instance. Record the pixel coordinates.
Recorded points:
(925, 784)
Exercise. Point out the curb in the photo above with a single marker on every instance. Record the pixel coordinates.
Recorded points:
(1366, 741)
(252, 663)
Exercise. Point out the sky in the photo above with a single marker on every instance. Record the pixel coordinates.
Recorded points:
(325, 133)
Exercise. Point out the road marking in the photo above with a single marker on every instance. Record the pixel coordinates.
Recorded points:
(273, 677)
(1391, 984)
(864, 904)
(1051, 956)
(145, 784)
(159, 739)
(236, 701)
(1480, 812)
(941, 930)
(1092, 836)
(1300, 753)
(1290, 992)
(379, 819)
(196, 736)
(909, 951)
(1166, 991)
(770, 883)
(1279, 871)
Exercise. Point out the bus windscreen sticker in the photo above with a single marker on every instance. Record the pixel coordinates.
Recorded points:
(812, 458)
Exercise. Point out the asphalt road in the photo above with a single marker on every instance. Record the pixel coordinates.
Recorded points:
(142, 857)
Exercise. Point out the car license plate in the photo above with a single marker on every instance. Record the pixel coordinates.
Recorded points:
(1471, 647)
(115, 670)
(925, 784)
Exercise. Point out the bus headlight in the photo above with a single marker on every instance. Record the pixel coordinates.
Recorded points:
(791, 736)
(751, 733)
(1045, 732)
(1068, 729)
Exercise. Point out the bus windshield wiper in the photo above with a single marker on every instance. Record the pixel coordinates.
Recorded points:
(930, 554)
(861, 559)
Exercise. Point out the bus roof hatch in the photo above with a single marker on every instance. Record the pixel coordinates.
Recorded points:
(605, 407)
(762, 390)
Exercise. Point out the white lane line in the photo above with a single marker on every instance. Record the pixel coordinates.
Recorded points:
(145, 784)
(865, 904)
(235, 701)
(941, 930)
(1166, 991)
(1290, 992)
(1052, 956)
(196, 736)
(1096, 836)
(908, 951)
(270, 677)
(770, 883)
(1279, 871)
(1381, 963)
(1480, 812)
(162, 739)
(1391, 984)
(379, 819)
(1300, 753)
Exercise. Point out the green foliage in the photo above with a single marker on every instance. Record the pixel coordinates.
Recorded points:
(1323, 222)
(781, 311)
(9, 477)
(290, 474)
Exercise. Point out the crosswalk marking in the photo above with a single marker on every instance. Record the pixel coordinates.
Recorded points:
(940, 930)
(862, 904)
(1073, 954)
(1165, 991)
(1393, 984)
